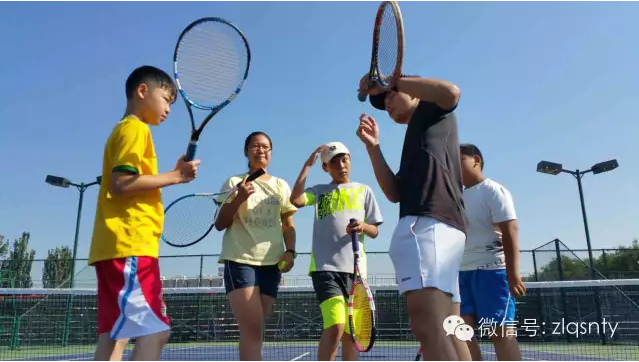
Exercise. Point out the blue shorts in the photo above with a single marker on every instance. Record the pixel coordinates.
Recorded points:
(485, 294)
(238, 276)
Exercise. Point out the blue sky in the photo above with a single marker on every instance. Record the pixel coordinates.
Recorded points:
(554, 81)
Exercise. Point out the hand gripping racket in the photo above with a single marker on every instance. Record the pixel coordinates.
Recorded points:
(211, 63)
(388, 48)
(361, 306)
(190, 218)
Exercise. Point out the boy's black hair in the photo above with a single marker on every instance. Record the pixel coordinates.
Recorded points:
(469, 149)
(153, 77)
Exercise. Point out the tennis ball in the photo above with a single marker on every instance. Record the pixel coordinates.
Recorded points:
(281, 265)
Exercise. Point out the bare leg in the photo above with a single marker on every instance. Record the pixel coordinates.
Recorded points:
(327, 349)
(267, 304)
(349, 352)
(108, 349)
(506, 347)
(460, 346)
(246, 304)
(149, 348)
(427, 309)
(473, 345)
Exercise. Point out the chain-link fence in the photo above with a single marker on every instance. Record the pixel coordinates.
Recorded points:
(553, 261)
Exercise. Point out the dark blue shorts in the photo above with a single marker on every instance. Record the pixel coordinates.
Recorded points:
(238, 276)
(485, 294)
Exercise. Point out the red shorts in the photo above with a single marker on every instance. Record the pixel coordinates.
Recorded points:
(130, 302)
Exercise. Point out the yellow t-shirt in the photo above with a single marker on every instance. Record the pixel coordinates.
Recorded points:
(255, 237)
(128, 225)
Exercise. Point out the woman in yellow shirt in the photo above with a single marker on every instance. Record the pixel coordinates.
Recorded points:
(258, 243)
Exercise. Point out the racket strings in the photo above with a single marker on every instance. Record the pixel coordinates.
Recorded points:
(362, 316)
(190, 219)
(212, 59)
(388, 44)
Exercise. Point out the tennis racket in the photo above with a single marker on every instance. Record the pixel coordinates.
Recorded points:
(419, 354)
(190, 218)
(361, 306)
(211, 63)
(388, 47)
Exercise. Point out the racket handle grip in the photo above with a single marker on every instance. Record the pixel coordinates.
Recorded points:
(255, 175)
(354, 237)
(190, 151)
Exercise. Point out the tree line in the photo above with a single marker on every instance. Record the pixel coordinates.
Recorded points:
(16, 262)
(619, 263)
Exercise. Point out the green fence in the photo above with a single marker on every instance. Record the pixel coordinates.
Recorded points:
(552, 261)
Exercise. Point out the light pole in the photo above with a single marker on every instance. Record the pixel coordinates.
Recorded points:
(63, 182)
(552, 168)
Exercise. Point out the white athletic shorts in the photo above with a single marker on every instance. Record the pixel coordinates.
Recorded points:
(427, 253)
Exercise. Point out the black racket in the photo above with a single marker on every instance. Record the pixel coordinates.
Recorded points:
(190, 218)
(211, 63)
(388, 47)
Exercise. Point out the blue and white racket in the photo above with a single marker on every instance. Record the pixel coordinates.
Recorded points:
(190, 218)
(211, 63)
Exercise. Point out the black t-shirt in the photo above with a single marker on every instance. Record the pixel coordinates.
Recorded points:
(429, 177)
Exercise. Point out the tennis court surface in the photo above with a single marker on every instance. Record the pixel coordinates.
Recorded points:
(45, 324)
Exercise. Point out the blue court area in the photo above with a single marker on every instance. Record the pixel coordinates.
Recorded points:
(298, 352)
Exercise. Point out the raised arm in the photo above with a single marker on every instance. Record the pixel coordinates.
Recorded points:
(297, 194)
(444, 94)
(368, 132)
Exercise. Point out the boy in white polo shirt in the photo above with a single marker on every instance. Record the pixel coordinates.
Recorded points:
(489, 275)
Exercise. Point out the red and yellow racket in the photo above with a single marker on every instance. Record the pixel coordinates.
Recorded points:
(361, 306)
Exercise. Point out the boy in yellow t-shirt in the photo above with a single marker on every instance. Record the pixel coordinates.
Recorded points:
(128, 223)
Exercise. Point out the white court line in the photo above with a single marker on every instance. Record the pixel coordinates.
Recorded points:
(195, 347)
(301, 356)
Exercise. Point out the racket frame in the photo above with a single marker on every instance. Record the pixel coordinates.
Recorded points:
(195, 132)
(360, 280)
(217, 204)
(373, 73)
